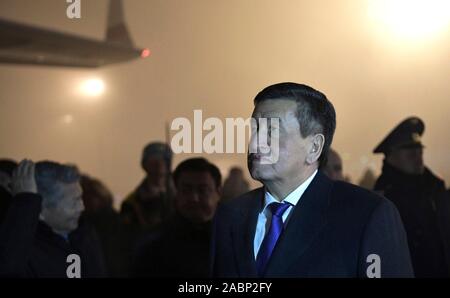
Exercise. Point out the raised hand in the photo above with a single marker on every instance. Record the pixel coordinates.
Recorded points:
(23, 178)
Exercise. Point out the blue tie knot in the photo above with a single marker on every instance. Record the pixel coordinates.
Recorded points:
(278, 209)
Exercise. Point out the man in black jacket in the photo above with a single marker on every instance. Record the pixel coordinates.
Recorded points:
(181, 247)
(419, 196)
(41, 235)
(7, 167)
(301, 223)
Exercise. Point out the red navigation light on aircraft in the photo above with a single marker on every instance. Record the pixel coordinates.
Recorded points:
(145, 53)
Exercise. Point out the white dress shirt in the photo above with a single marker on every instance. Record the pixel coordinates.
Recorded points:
(265, 216)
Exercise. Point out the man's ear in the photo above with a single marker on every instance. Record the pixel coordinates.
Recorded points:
(315, 150)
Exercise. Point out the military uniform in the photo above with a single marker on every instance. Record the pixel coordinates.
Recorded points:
(421, 201)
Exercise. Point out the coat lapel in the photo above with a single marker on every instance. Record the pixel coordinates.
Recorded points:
(305, 223)
(243, 233)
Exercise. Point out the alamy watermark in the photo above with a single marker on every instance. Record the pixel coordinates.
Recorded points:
(74, 268)
(73, 10)
(220, 136)
(374, 268)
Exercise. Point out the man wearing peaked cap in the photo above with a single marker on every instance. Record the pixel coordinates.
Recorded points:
(418, 195)
(407, 134)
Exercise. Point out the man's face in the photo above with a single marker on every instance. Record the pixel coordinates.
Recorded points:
(156, 170)
(292, 146)
(63, 217)
(197, 196)
(408, 160)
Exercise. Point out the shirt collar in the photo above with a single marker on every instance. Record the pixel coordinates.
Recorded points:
(291, 198)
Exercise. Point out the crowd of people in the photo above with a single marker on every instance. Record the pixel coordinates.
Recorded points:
(164, 228)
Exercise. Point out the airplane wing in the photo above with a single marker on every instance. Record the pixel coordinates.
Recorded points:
(25, 44)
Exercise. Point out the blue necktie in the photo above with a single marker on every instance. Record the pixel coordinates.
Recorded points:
(270, 240)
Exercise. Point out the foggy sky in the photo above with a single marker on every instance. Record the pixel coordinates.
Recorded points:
(215, 56)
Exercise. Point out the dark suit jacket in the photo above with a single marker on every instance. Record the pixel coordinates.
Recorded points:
(180, 249)
(332, 230)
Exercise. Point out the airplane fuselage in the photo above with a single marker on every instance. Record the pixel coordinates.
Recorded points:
(24, 44)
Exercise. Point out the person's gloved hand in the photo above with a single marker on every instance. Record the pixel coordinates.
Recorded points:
(23, 178)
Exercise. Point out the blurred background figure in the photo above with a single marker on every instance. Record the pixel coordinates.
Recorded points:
(368, 179)
(333, 168)
(443, 222)
(150, 203)
(443, 212)
(235, 184)
(418, 195)
(181, 247)
(99, 212)
(7, 167)
(96, 196)
(42, 227)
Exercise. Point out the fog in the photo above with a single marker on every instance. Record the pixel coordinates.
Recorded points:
(215, 56)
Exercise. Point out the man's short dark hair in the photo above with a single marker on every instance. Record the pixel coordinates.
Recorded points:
(48, 175)
(315, 112)
(198, 165)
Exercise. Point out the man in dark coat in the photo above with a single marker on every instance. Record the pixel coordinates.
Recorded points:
(7, 166)
(41, 235)
(101, 215)
(419, 196)
(443, 213)
(182, 246)
(301, 223)
(146, 207)
(150, 203)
